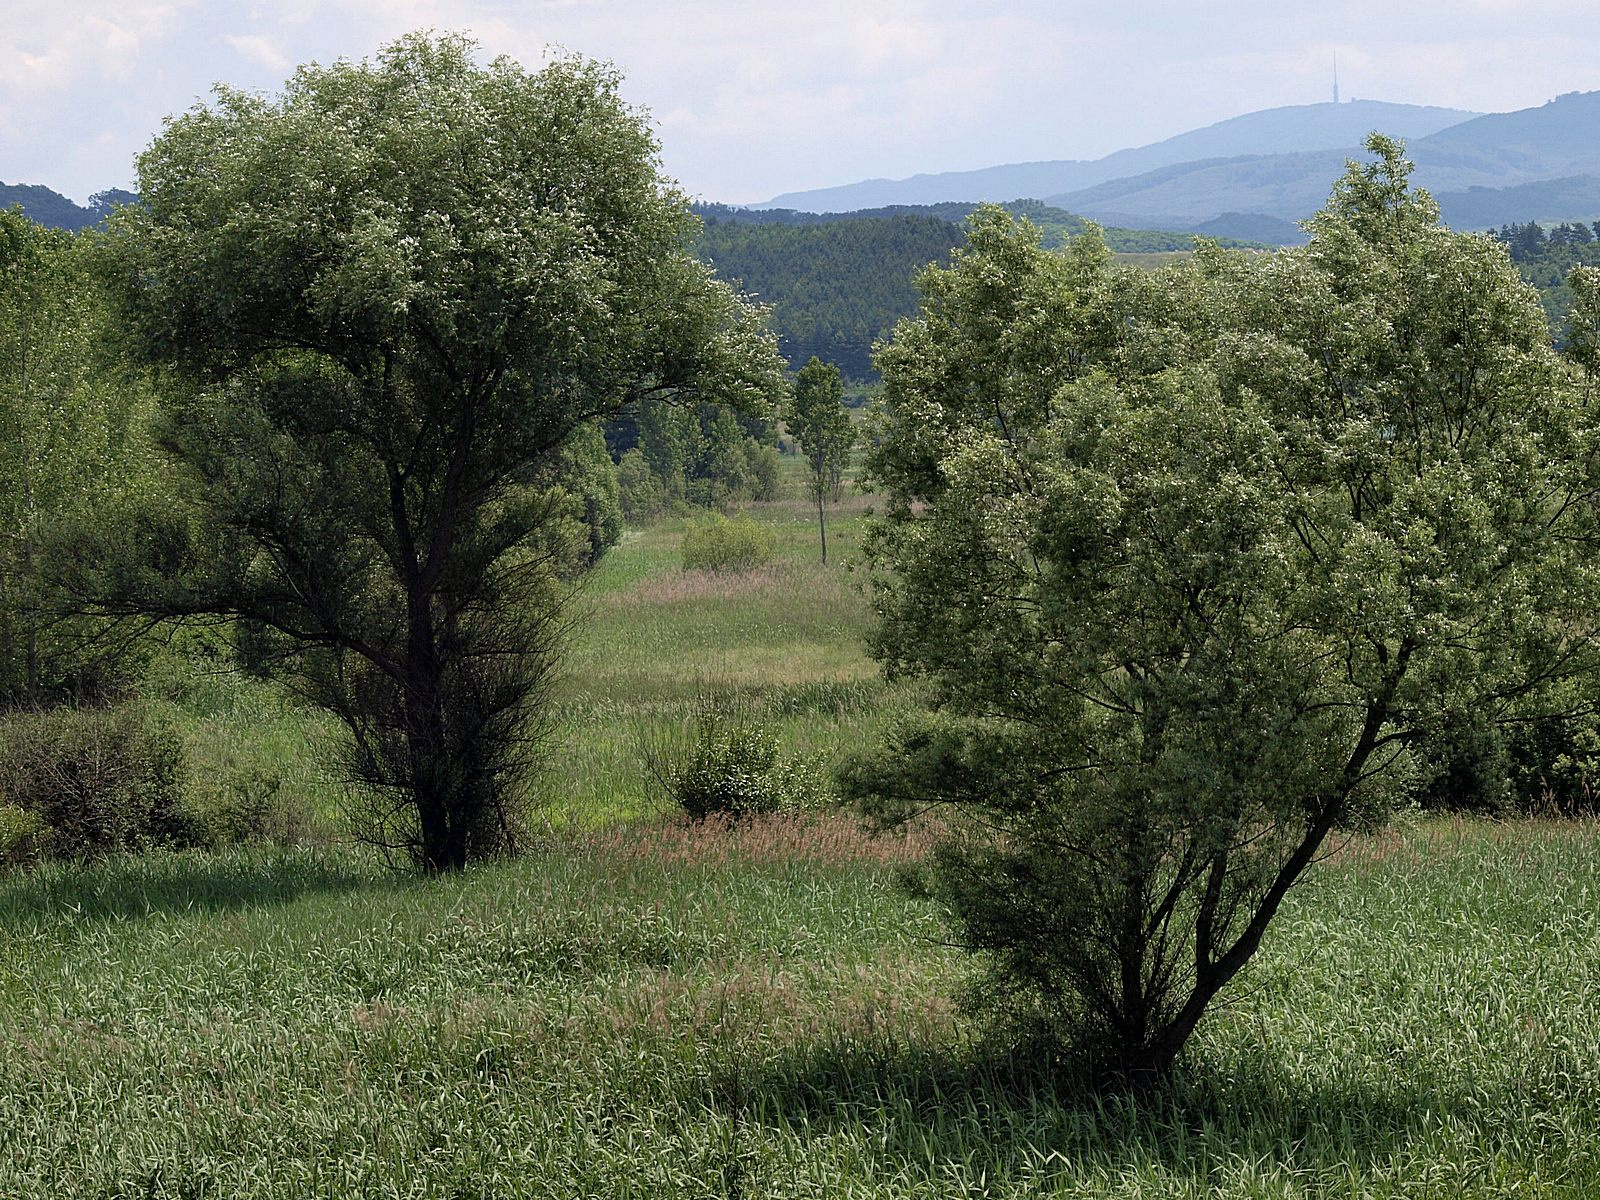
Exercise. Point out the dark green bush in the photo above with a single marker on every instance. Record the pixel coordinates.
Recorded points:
(733, 767)
(19, 835)
(718, 543)
(1551, 766)
(1466, 768)
(1544, 767)
(94, 781)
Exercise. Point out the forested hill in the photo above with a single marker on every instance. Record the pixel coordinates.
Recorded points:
(1057, 224)
(47, 207)
(1545, 257)
(833, 286)
(837, 281)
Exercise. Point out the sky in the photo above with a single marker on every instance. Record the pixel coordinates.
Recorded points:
(753, 98)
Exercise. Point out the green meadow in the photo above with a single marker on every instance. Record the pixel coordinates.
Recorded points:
(784, 643)
(641, 1007)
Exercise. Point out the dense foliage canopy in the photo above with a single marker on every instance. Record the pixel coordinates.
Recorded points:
(834, 288)
(72, 446)
(384, 304)
(1194, 562)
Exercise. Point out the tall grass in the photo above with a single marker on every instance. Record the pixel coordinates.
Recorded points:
(755, 1010)
(647, 1007)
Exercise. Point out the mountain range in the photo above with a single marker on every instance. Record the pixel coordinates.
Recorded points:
(1255, 175)
(1252, 177)
(1273, 131)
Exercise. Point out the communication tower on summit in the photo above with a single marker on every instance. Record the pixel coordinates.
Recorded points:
(1336, 77)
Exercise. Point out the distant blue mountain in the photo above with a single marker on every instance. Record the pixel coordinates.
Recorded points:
(1576, 198)
(1500, 152)
(1255, 177)
(1289, 130)
(1559, 137)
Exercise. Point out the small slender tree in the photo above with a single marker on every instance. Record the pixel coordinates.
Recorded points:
(820, 424)
(1192, 561)
(72, 443)
(382, 304)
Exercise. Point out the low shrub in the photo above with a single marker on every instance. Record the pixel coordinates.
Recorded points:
(733, 767)
(92, 781)
(718, 543)
(243, 803)
(19, 835)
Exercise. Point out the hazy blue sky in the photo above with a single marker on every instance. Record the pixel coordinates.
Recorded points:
(753, 98)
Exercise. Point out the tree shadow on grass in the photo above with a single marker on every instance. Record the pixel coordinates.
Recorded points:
(130, 887)
(1015, 1115)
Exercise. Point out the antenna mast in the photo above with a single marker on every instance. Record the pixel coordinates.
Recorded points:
(1336, 77)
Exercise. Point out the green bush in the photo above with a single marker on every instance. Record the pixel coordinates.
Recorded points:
(247, 803)
(1465, 766)
(733, 768)
(19, 835)
(95, 780)
(1545, 766)
(718, 543)
(765, 469)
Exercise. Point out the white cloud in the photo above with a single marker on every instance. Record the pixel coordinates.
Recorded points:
(92, 46)
(261, 50)
(756, 97)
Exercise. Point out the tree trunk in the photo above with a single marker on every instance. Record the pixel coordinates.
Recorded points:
(823, 526)
(440, 823)
(440, 827)
(1151, 1060)
(443, 801)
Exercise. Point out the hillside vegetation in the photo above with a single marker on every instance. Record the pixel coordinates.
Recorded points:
(834, 287)
(47, 207)
(837, 282)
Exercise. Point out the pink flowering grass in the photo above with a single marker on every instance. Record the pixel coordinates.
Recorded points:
(684, 586)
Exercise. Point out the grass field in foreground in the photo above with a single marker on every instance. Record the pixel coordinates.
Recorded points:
(643, 1009)
(661, 1012)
